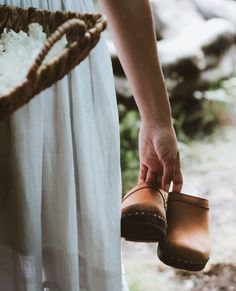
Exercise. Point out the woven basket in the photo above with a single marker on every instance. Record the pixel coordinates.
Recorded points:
(83, 31)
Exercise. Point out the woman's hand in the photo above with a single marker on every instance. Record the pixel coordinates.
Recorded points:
(159, 156)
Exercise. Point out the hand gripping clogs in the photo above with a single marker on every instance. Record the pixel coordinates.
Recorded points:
(187, 243)
(143, 216)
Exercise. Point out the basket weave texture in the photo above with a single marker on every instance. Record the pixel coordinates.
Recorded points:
(83, 31)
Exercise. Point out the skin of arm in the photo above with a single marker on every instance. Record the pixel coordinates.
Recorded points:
(133, 33)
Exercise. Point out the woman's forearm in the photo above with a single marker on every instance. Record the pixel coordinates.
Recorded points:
(132, 29)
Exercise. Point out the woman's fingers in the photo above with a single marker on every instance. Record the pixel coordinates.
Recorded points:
(168, 173)
(150, 176)
(154, 177)
(177, 178)
(159, 179)
(163, 175)
(142, 173)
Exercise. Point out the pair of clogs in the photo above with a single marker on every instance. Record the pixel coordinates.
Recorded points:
(179, 222)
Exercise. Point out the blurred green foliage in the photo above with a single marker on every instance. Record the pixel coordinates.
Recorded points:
(129, 128)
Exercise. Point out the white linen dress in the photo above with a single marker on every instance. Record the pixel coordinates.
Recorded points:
(60, 180)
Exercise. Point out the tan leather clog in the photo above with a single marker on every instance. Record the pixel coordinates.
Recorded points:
(187, 243)
(143, 215)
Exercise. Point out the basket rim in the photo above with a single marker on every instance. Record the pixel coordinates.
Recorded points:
(70, 13)
(99, 18)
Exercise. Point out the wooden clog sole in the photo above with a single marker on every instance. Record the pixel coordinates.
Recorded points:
(180, 263)
(143, 226)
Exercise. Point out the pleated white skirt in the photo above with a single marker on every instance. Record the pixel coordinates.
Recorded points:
(60, 180)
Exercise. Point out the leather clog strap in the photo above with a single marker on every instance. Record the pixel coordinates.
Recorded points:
(145, 185)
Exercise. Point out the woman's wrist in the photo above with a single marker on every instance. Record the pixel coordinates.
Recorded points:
(157, 120)
(158, 115)
(153, 103)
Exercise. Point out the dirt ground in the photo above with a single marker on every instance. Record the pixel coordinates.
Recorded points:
(210, 166)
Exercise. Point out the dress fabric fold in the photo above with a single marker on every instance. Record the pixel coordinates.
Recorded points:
(60, 180)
